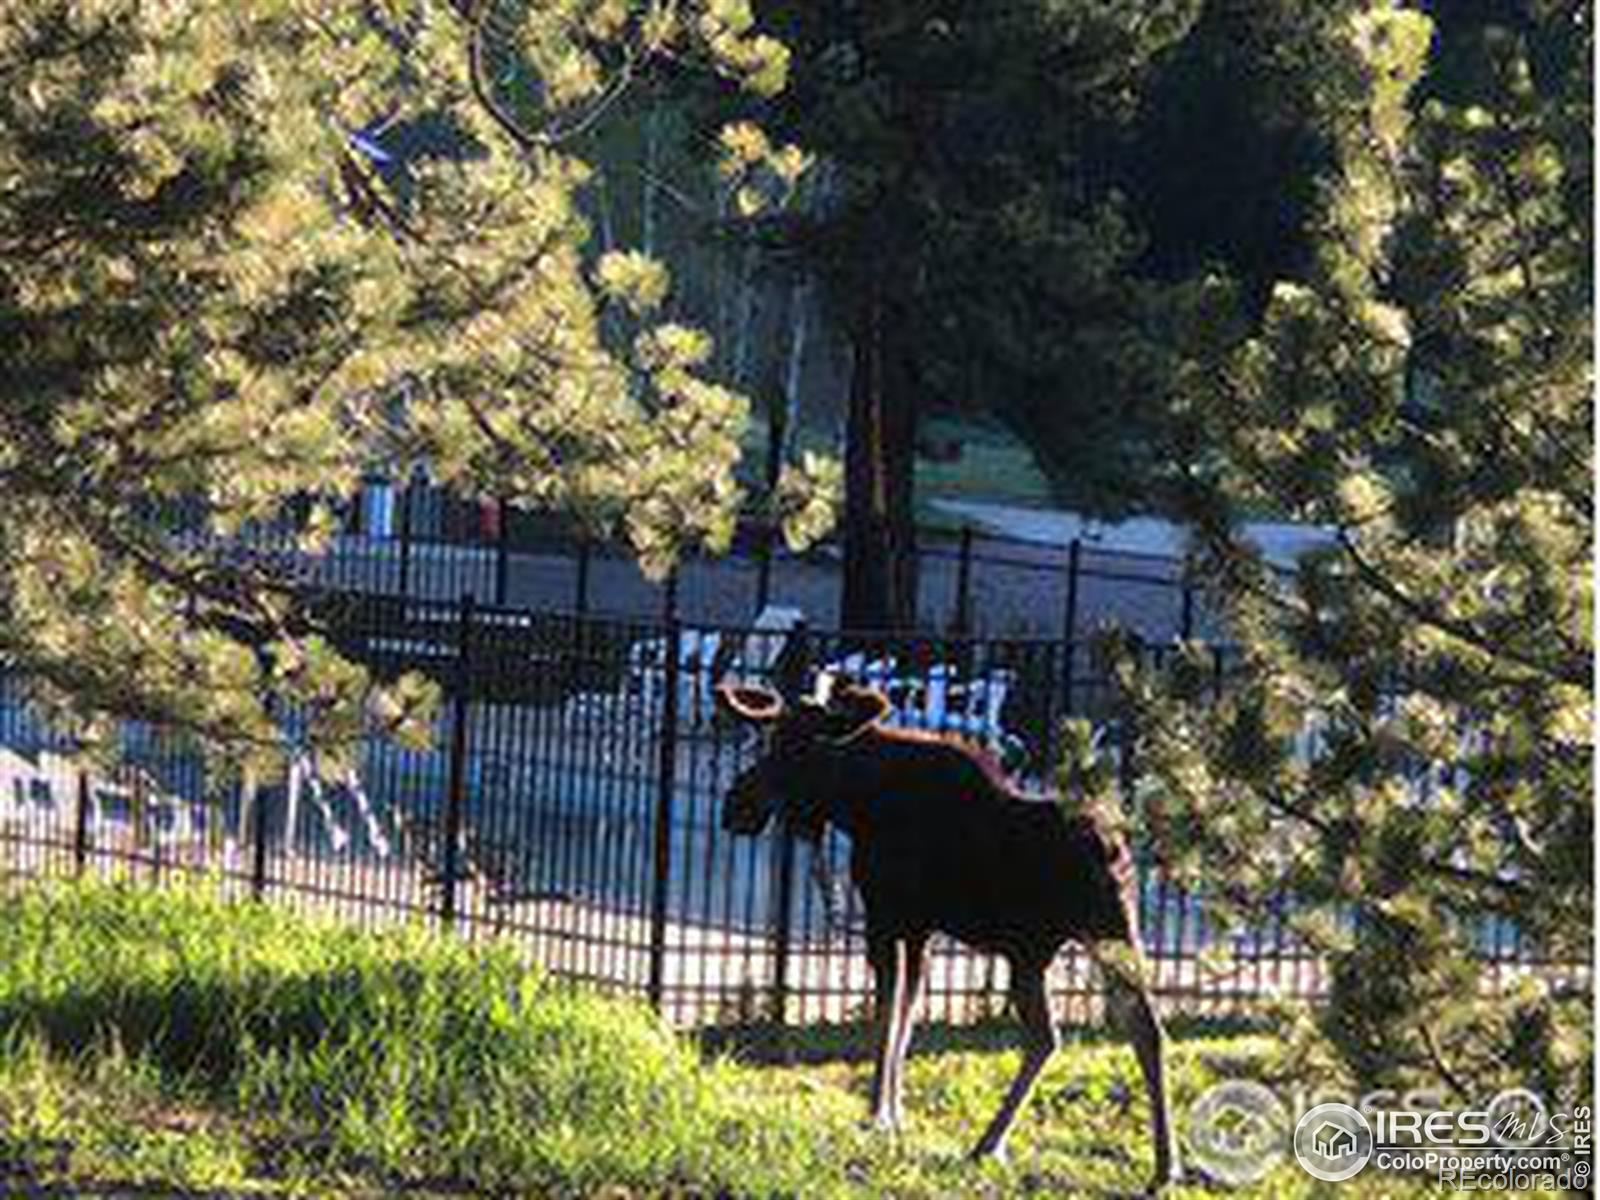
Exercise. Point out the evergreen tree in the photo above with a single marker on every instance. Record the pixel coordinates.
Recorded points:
(1221, 159)
(970, 252)
(253, 249)
(1404, 744)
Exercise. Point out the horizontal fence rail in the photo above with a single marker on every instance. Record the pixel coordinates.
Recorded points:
(421, 543)
(570, 799)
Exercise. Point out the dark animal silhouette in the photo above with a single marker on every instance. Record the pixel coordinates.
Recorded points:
(941, 842)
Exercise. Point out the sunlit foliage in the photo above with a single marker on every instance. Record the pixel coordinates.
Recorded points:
(254, 251)
(1405, 747)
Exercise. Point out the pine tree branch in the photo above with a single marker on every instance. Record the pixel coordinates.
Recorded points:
(368, 201)
(1512, 197)
(1294, 810)
(1457, 1085)
(499, 441)
(1428, 615)
(483, 90)
(109, 696)
(1514, 891)
(1575, 458)
(236, 593)
(44, 48)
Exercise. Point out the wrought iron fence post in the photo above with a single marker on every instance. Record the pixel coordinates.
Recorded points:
(764, 570)
(147, 823)
(580, 599)
(781, 916)
(258, 838)
(1186, 613)
(666, 787)
(405, 539)
(80, 827)
(783, 883)
(777, 421)
(455, 794)
(669, 597)
(1070, 632)
(502, 553)
(963, 616)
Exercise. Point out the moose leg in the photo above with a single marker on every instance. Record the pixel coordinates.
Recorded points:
(1039, 1043)
(915, 972)
(1129, 1003)
(887, 957)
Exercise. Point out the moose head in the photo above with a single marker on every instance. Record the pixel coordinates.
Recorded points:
(801, 754)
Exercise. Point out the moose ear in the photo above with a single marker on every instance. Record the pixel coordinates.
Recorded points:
(852, 710)
(755, 704)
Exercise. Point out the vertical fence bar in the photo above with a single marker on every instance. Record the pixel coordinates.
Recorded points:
(782, 932)
(147, 826)
(764, 570)
(1186, 613)
(777, 432)
(580, 598)
(666, 789)
(783, 907)
(406, 507)
(1069, 633)
(963, 616)
(80, 827)
(669, 601)
(502, 553)
(258, 838)
(455, 795)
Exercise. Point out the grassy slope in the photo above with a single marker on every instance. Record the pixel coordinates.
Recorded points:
(995, 466)
(172, 1041)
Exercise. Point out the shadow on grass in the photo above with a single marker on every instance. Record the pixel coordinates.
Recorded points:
(25, 1185)
(199, 1030)
(766, 1043)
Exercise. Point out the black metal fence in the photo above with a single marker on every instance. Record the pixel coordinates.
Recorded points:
(423, 543)
(569, 800)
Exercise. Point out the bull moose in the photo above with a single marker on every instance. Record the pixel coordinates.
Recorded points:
(940, 842)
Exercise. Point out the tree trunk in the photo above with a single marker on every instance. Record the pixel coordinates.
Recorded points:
(880, 556)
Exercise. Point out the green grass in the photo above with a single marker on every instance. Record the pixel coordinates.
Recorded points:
(995, 466)
(170, 1041)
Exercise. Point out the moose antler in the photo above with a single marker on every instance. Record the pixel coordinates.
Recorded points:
(750, 702)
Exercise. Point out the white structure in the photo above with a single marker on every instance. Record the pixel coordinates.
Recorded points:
(306, 781)
(41, 791)
(937, 699)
